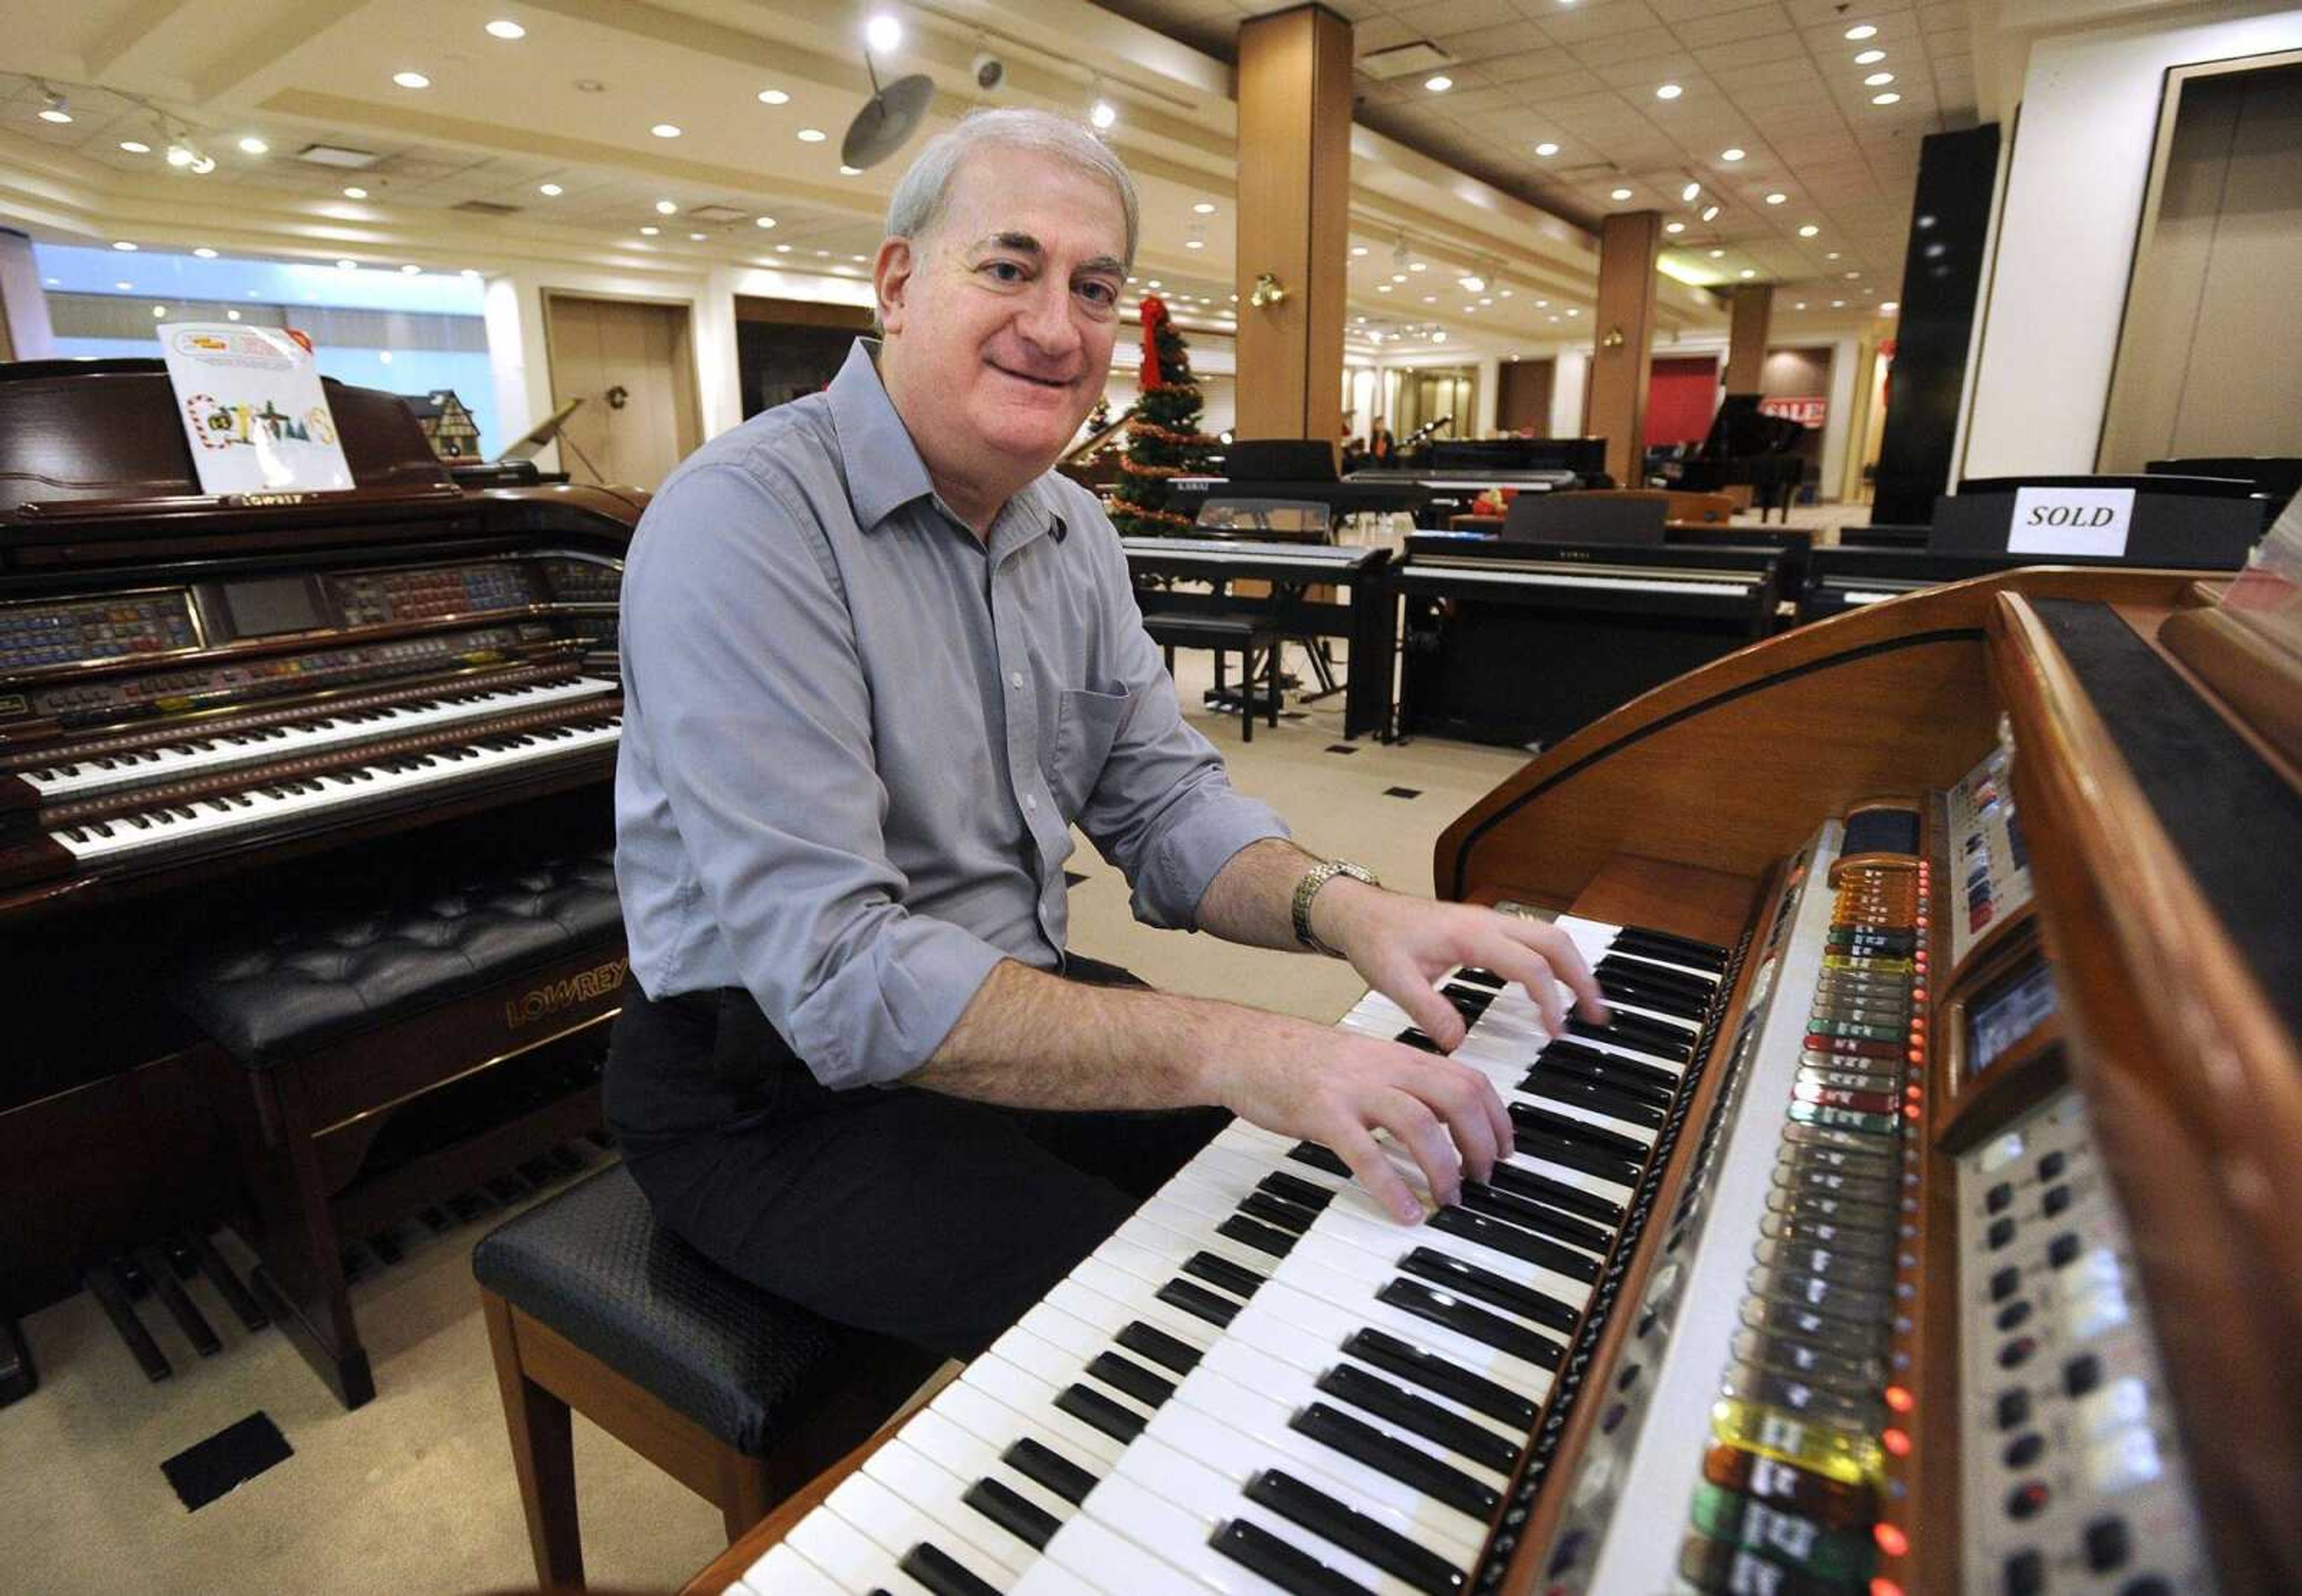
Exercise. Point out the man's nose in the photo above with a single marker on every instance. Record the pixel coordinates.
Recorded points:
(1046, 322)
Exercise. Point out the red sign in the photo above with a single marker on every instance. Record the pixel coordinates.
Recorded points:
(1806, 412)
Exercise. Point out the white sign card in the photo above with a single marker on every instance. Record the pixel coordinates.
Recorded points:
(253, 408)
(2070, 521)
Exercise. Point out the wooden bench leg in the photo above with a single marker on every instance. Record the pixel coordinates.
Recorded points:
(542, 1453)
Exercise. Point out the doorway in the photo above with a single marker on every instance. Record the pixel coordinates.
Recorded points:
(632, 365)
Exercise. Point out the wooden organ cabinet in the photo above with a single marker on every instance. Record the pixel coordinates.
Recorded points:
(1952, 1247)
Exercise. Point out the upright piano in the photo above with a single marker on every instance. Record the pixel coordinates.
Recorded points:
(216, 709)
(1921, 1219)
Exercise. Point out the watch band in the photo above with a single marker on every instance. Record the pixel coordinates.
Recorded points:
(1308, 888)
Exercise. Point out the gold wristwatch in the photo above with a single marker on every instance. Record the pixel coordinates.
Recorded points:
(1308, 888)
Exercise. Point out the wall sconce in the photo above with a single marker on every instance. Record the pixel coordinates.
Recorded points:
(1614, 339)
(1267, 291)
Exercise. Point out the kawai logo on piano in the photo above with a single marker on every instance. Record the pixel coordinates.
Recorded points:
(553, 996)
(220, 425)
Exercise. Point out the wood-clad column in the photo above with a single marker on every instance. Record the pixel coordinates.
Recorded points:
(1752, 304)
(1622, 356)
(24, 331)
(1294, 218)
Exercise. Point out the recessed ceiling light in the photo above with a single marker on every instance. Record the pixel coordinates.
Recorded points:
(123, 244)
(124, 287)
(697, 238)
(1505, 293)
(1439, 83)
(1861, 30)
(504, 28)
(1431, 298)
(1735, 154)
(1473, 285)
(1358, 249)
(811, 135)
(1194, 243)
(57, 109)
(204, 253)
(666, 207)
(1710, 212)
(1878, 79)
(410, 269)
(649, 230)
(1620, 194)
(1155, 282)
(1543, 305)
(1674, 227)
(1382, 287)
(411, 80)
(1717, 254)
(1865, 57)
(666, 130)
(347, 265)
(1776, 197)
(774, 97)
(159, 310)
(1418, 265)
(1485, 300)
(1809, 230)
(1831, 256)
(1102, 114)
(231, 315)
(1205, 207)
(1800, 305)
(1838, 305)
(136, 146)
(1668, 91)
(765, 222)
(252, 145)
(1851, 275)
(783, 249)
(468, 271)
(883, 33)
(1687, 194)
(1888, 98)
(590, 86)
(1546, 149)
(1747, 273)
(1575, 310)
(847, 171)
(1889, 306)
(356, 192)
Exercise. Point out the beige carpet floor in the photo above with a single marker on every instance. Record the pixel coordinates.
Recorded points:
(415, 1492)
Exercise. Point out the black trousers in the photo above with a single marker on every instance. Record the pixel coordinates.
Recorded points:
(926, 1217)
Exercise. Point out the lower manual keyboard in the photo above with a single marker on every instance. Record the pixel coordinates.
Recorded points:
(1262, 1383)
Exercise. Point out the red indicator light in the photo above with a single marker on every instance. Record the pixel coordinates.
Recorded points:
(1899, 1399)
(1909, 1111)
(1891, 1541)
(1896, 1441)
(1918, 1055)
(1883, 1586)
(1918, 1022)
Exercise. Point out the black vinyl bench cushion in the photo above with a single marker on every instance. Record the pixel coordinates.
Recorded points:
(594, 1265)
(1175, 629)
(308, 984)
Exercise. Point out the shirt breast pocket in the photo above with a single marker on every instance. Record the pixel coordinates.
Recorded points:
(1087, 725)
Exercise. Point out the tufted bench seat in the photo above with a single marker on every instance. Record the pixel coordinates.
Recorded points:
(325, 1028)
(740, 1396)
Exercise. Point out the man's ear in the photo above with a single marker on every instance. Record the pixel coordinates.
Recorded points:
(891, 279)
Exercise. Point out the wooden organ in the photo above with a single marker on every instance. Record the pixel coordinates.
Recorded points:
(1920, 1222)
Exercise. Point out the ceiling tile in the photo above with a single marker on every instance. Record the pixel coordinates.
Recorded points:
(1724, 60)
(1718, 27)
(1481, 44)
(1455, 16)
(1634, 45)
(1574, 24)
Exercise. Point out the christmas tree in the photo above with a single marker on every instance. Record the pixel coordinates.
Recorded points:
(1163, 440)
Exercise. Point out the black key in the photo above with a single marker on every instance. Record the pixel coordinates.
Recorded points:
(1092, 1406)
(939, 1572)
(1020, 1517)
(1199, 1302)
(1254, 1233)
(1557, 1194)
(1468, 1279)
(1614, 1069)
(1435, 1374)
(1576, 1069)
(1663, 1000)
(1575, 1154)
(1036, 1461)
(1159, 1347)
(1669, 1033)
(1251, 1546)
(1472, 1225)
(1669, 944)
(1318, 1157)
(1221, 1272)
(1624, 1035)
(1356, 1532)
(1414, 1037)
(1479, 978)
(1276, 1210)
(1691, 987)
(1589, 1093)
(1125, 1374)
(1386, 1454)
(1598, 1138)
(1469, 1001)
(1420, 1415)
(1295, 1189)
(1444, 1307)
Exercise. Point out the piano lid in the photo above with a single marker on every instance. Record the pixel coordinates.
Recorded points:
(92, 431)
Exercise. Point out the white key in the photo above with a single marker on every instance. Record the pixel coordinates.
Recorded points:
(1034, 1397)
(846, 1554)
(933, 1492)
(1315, 1282)
(1051, 1364)
(1116, 1300)
(972, 1458)
(783, 1571)
(1086, 1553)
(1266, 1333)
(996, 1424)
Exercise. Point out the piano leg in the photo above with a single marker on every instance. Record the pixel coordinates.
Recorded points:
(18, 1378)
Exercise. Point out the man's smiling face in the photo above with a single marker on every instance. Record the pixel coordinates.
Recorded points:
(1002, 318)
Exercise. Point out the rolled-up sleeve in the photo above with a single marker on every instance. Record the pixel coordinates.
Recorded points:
(744, 684)
(1163, 809)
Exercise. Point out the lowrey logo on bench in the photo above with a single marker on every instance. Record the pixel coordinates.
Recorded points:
(541, 1003)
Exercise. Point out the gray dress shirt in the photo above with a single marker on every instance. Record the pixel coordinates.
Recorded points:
(856, 738)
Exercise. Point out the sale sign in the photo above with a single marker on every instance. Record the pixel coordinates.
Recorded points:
(1808, 412)
(253, 408)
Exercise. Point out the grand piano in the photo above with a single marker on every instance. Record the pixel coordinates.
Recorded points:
(215, 710)
(1920, 1221)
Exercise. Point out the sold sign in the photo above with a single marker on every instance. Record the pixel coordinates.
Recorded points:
(2070, 521)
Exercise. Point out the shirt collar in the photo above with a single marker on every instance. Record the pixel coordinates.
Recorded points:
(883, 467)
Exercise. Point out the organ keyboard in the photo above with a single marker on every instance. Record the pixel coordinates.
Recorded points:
(1887, 1238)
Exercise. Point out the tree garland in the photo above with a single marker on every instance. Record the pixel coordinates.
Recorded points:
(1162, 437)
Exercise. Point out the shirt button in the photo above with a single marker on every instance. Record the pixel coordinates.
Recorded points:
(1016, 679)
(1031, 801)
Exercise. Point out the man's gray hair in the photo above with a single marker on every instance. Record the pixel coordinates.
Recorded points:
(918, 202)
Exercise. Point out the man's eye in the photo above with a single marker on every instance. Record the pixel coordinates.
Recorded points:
(1099, 293)
(1005, 270)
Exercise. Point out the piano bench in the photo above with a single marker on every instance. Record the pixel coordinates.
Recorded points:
(327, 1029)
(741, 1397)
(1241, 635)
